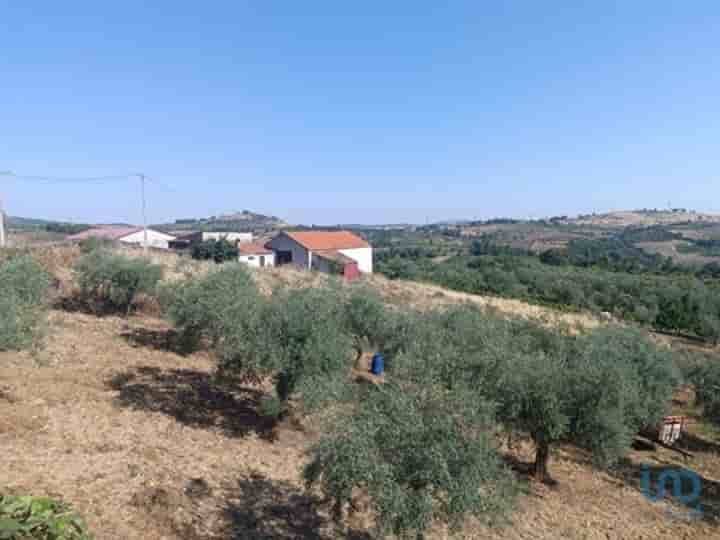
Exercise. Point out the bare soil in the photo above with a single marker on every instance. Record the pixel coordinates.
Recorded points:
(147, 445)
(143, 440)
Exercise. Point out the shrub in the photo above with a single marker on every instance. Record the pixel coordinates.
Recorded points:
(112, 282)
(706, 378)
(23, 285)
(94, 243)
(417, 459)
(596, 391)
(39, 518)
(302, 337)
(226, 308)
(366, 318)
(306, 340)
(220, 251)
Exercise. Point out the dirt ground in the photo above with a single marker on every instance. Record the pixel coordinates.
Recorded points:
(141, 439)
(145, 444)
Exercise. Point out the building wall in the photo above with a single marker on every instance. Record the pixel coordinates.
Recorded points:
(363, 256)
(320, 264)
(229, 236)
(254, 260)
(300, 256)
(156, 239)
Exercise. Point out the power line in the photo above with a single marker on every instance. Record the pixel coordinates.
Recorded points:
(61, 180)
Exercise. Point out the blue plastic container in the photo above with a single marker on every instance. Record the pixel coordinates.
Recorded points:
(378, 364)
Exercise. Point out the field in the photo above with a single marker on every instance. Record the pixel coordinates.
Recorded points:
(147, 444)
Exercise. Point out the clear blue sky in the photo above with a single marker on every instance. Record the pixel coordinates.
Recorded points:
(325, 112)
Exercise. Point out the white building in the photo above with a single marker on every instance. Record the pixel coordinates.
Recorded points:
(234, 237)
(320, 249)
(125, 235)
(187, 239)
(255, 255)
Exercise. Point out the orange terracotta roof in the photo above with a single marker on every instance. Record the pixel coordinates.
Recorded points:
(320, 240)
(246, 248)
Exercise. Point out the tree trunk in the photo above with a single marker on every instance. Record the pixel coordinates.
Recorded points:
(542, 456)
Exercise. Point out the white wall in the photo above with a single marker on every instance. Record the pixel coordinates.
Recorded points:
(229, 236)
(300, 256)
(254, 260)
(156, 239)
(363, 256)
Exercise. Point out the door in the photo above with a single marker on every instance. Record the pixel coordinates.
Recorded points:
(283, 257)
(262, 260)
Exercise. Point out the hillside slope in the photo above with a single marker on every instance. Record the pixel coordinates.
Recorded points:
(145, 442)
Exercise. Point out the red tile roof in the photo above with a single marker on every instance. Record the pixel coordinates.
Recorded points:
(109, 232)
(246, 248)
(321, 240)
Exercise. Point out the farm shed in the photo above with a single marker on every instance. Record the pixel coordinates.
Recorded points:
(301, 248)
(125, 235)
(256, 255)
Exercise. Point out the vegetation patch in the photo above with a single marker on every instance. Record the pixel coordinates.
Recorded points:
(39, 518)
(110, 282)
(23, 287)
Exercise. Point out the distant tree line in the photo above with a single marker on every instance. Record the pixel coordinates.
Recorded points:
(66, 228)
(676, 303)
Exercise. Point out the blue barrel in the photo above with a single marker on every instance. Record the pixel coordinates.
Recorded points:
(378, 364)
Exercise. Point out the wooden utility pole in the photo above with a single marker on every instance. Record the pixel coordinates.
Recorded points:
(2, 226)
(3, 232)
(144, 215)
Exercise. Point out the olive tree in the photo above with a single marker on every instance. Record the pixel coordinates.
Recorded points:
(306, 341)
(112, 282)
(416, 457)
(23, 285)
(596, 390)
(226, 308)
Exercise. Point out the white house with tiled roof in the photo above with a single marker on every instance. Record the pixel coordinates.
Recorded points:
(256, 255)
(321, 249)
(126, 235)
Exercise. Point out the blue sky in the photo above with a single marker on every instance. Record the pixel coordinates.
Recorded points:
(327, 112)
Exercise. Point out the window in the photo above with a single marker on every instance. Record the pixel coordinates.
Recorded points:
(251, 257)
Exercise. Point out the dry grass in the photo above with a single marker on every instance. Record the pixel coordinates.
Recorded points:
(669, 249)
(148, 445)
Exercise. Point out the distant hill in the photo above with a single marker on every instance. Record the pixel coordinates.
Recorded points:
(244, 221)
(23, 224)
(644, 217)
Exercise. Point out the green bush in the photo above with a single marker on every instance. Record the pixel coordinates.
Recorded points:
(306, 341)
(23, 286)
(417, 459)
(94, 243)
(705, 375)
(595, 390)
(39, 518)
(220, 251)
(226, 308)
(305, 338)
(111, 282)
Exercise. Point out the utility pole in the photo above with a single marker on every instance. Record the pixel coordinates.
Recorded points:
(144, 215)
(3, 237)
(2, 226)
